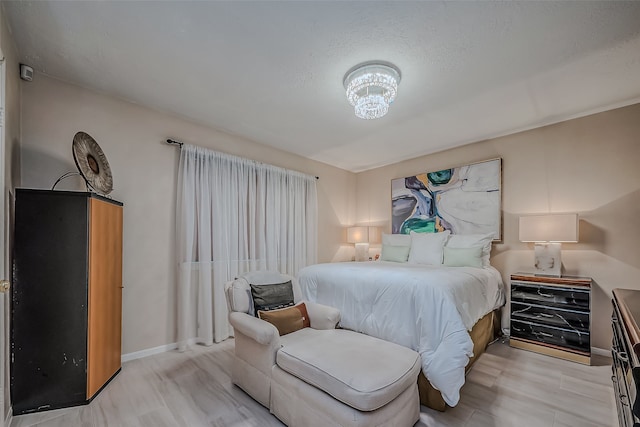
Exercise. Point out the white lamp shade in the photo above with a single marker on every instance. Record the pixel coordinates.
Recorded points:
(549, 228)
(374, 235)
(357, 235)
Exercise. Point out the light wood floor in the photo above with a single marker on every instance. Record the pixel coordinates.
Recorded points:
(506, 387)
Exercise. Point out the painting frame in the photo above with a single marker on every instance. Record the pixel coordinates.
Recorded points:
(465, 199)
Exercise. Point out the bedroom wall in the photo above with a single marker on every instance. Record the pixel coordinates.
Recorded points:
(588, 165)
(144, 170)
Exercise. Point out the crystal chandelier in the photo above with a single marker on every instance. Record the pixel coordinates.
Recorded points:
(371, 87)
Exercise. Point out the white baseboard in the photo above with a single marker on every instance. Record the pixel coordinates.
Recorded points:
(148, 352)
(7, 421)
(601, 351)
(155, 350)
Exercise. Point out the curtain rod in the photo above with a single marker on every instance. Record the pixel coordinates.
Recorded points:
(178, 143)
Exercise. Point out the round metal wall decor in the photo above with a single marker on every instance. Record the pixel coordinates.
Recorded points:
(92, 163)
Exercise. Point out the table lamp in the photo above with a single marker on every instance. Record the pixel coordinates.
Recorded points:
(362, 236)
(547, 232)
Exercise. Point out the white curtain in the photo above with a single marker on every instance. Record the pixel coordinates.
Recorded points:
(235, 215)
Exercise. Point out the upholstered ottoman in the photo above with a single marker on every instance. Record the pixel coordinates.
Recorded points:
(340, 377)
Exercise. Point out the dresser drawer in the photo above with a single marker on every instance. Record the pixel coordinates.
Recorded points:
(625, 414)
(626, 370)
(550, 296)
(550, 316)
(566, 338)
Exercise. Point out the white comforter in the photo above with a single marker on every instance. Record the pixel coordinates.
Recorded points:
(426, 308)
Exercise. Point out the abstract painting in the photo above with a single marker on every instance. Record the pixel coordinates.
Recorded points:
(464, 200)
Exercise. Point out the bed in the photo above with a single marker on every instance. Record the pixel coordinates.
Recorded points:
(430, 309)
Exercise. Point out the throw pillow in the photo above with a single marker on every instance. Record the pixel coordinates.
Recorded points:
(395, 253)
(287, 320)
(272, 297)
(426, 248)
(472, 240)
(239, 296)
(463, 257)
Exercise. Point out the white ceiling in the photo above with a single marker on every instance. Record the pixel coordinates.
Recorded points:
(272, 71)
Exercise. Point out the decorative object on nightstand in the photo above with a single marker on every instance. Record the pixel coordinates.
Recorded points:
(362, 236)
(547, 232)
(552, 315)
(626, 353)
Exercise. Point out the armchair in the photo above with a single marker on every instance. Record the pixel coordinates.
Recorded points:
(257, 341)
(320, 375)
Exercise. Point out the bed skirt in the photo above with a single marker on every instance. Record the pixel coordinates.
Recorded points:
(483, 332)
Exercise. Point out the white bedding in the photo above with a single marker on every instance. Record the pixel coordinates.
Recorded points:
(426, 308)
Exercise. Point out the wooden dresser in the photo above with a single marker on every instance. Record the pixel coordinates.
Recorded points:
(625, 350)
(552, 315)
(66, 311)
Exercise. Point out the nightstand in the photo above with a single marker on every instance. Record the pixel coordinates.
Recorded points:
(552, 315)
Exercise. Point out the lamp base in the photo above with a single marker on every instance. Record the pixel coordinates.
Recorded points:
(362, 252)
(548, 261)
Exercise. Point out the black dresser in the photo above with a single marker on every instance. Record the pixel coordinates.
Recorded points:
(66, 298)
(625, 351)
(552, 315)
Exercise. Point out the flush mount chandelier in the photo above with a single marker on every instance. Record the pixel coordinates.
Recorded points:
(371, 87)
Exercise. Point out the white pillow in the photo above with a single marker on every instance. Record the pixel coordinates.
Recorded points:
(239, 296)
(396, 239)
(473, 240)
(463, 257)
(395, 253)
(427, 248)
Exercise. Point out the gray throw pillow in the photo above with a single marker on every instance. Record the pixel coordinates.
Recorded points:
(272, 297)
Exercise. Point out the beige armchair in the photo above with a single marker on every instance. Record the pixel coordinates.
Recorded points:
(319, 375)
(257, 341)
